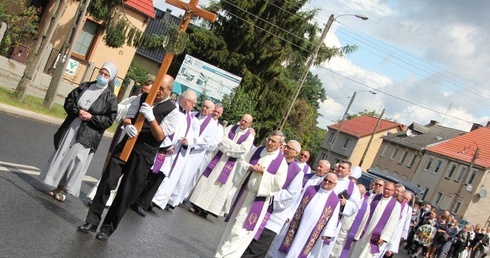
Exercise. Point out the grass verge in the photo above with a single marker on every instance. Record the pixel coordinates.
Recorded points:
(34, 104)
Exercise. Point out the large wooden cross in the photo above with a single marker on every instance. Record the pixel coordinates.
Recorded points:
(191, 10)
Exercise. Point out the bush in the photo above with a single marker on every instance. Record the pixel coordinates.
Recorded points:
(22, 23)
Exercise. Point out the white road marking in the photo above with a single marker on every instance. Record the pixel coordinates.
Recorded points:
(31, 170)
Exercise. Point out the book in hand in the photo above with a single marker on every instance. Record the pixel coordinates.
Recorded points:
(344, 195)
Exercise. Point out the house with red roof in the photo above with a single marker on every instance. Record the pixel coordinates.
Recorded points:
(357, 140)
(400, 153)
(455, 174)
(89, 48)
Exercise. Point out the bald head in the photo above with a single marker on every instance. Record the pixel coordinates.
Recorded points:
(389, 189)
(246, 121)
(207, 108)
(362, 189)
(165, 89)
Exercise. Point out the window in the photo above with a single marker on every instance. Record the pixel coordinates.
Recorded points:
(437, 198)
(402, 158)
(438, 166)
(86, 38)
(345, 145)
(426, 190)
(331, 138)
(456, 207)
(448, 199)
(429, 163)
(462, 170)
(471, 177)
(383, 152)
(393, 154)
(411, 161)
(450, 171)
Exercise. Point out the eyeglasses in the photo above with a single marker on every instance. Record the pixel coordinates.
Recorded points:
(193, 102)
(303, 155)
(378, 184)
(328, 181)
(288, 147)
(272, 140)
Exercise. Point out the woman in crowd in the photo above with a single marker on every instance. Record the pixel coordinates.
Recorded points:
(441, 236)
(461, 242)
(91, 108)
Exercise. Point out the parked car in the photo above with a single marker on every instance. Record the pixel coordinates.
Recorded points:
(373, 173)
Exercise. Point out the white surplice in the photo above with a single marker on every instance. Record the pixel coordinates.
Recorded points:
(235, 237)
(363, 246)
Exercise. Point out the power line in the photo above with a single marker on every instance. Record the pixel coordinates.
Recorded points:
(393, 96)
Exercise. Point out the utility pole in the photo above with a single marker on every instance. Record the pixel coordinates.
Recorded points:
(64, 55)
(35, 57)
(458, 193)
(309, 63)
(340, 124)
(371, 138)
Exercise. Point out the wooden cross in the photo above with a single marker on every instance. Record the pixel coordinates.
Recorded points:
(191, 10)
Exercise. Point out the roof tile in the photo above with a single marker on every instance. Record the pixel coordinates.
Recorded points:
(364, 125)
(464, 147)
(143, 6)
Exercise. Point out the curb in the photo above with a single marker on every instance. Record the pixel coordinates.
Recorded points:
(36, 116)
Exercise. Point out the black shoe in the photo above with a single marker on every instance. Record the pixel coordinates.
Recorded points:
(156, 205)
(138, 209)
(169, 207)
(102, 236)
(87, 227)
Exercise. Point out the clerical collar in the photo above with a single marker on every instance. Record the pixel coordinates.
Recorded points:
(271, 153)
(181, 109)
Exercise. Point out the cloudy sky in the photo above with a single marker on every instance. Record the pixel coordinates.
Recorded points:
(426, 60)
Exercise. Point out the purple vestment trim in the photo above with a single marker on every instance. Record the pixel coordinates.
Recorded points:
(158, 162)
(307, 177)
(328, 208)
(253, 160)
(188, 120)
(305, 169)
(354, 228)
(293, 170)
(376, 234)
(204, 124)
(259, 202)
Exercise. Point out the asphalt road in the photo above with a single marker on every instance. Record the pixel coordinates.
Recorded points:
(33, 224)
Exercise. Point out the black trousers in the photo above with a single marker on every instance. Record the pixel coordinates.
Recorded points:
(148, 189)
(258, 248)
(134, 170)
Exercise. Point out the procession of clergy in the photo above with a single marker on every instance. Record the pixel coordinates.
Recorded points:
(274, 204)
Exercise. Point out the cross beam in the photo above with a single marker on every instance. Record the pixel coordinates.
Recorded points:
(191, 9)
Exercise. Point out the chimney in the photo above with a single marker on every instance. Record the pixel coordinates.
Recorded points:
(433, 122)
(167, 14)
(476, 126)
(488, 124)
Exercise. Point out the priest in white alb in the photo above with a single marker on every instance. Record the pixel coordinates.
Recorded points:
(379, 224)
(313, 223)
(259, 175)
(211, 191)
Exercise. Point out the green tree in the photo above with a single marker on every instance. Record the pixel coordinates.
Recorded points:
(22, 23)
(267, 44)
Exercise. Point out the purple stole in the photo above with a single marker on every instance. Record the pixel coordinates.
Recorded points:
(354, 228)
(204, 124)
(293, 170)
(230, 163)
(307, 177)
(158, 162)
(188, 120)
(259, 201)
(401, 209)
(376, 234)
(305, 169)
(329, 207)
(350, 188)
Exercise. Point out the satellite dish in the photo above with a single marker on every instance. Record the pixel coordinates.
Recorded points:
(469, 188)
(408, 132)
(483, 193)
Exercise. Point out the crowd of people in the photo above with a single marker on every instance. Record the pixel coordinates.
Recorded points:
(274, 204)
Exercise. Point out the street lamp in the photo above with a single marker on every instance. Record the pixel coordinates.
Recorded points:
(310, 61)
(342, 120)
